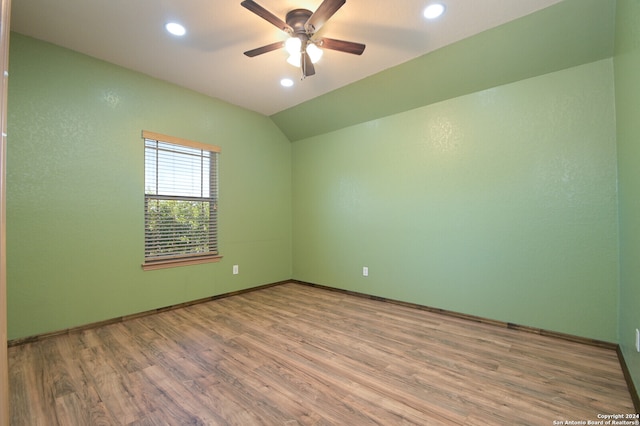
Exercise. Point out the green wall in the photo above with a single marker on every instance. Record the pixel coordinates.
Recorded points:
(75, 191)
(627, 80)
(500, 203)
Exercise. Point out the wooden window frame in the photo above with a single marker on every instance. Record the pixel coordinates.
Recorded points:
(188, 259)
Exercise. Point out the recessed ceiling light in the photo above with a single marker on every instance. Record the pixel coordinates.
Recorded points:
(433, 10)
(286, 82)
(175, 29)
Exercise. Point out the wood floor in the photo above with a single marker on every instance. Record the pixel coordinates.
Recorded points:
(298, 355)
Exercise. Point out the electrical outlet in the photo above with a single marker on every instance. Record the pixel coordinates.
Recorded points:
(365, 271)
(236, 271)
(637, 340)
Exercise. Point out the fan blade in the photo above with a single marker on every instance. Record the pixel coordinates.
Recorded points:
(322, 15)
(342, 46)
(306, 65)
(264, 49)
(266, 15)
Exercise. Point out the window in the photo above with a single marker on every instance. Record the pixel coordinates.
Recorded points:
(180, 202)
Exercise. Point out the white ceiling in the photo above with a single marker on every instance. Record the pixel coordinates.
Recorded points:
(209, 58)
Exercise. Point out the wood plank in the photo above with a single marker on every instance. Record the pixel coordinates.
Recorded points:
(294, 354)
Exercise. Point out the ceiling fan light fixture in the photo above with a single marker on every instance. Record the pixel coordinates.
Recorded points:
(293, 45)
(433, 11)
(314, 52)
(175, 29)
(294, 59)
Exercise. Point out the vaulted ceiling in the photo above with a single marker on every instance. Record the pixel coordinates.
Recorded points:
(408, 61)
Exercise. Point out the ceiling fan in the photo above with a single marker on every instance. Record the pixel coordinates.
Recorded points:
(302, 25)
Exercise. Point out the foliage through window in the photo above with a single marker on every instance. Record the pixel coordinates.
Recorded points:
(181, 200)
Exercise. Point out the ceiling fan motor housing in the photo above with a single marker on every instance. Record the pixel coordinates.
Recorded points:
(297, 18)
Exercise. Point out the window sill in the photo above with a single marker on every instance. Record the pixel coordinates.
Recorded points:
(174, 263)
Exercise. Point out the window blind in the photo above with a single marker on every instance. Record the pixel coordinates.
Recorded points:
(181, 199)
